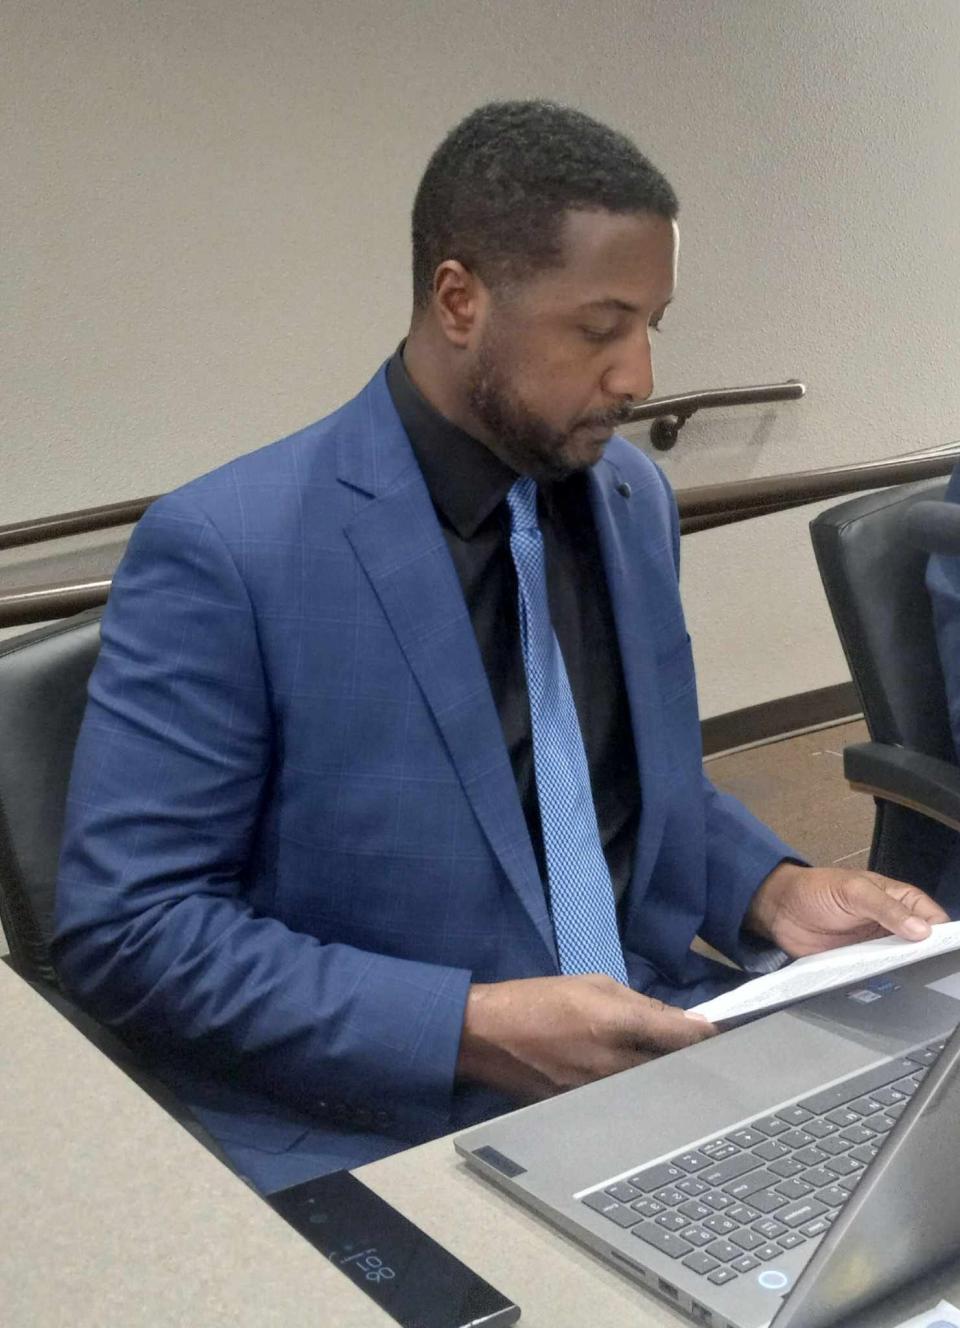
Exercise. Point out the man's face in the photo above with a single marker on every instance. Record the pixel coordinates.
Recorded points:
(561, 358)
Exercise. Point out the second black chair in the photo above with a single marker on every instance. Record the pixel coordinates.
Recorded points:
(874, 580)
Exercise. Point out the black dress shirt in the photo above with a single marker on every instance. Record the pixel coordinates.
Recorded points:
(468, 485)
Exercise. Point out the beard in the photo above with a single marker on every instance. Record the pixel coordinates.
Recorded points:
(523, 438)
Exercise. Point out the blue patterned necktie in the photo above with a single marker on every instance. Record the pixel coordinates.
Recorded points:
(581, 892)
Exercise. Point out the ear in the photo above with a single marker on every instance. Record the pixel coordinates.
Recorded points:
(459, 298)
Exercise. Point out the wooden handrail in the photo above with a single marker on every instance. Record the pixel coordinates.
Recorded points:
(680, 407)
(701, 508)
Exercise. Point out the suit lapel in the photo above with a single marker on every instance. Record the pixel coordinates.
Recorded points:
(614, 516)
(397, 539)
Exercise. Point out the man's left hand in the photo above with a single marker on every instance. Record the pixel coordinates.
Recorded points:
(804, 910)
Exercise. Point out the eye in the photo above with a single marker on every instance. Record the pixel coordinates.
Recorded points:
(598, 335)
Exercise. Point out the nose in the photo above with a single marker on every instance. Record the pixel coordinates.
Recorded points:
(631, 374)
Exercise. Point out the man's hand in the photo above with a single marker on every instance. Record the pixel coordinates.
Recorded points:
(804, 910)
(534, 1037)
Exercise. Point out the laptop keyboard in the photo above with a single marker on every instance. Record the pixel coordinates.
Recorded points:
(729, 1205)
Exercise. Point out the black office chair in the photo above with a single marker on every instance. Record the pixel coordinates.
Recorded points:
(874, 580)
(43, 688)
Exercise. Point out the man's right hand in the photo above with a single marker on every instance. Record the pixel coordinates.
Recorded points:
(534, 1037)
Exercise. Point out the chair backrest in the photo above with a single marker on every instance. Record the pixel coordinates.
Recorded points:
(875, 587)
(43, 691)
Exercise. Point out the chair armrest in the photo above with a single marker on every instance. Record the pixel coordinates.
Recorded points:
(925, 784)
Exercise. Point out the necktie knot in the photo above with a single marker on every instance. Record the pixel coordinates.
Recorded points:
(522, 502)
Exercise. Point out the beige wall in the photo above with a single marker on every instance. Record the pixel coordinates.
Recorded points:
(207, 240)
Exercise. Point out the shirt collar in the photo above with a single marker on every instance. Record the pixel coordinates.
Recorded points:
(466, 481)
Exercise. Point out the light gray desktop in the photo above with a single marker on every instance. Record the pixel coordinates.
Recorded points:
(112, 1216)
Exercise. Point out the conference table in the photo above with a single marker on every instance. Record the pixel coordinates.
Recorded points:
(113, 1216)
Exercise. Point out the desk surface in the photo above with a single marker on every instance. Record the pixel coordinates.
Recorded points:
(113, 1216)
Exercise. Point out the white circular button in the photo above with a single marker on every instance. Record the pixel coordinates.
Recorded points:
(771, 1279)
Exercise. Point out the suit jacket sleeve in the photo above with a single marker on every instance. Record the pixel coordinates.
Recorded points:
(154, 934)
(740, 853)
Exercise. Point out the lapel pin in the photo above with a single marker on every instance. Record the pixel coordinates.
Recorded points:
(623, 488)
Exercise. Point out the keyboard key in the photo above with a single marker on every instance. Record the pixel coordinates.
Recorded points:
(771, 1150)
(622, 1215)
(768, 1251)
(865, 1153)
(770, 1125)
(719, 1150)
(850, 1183)
(724, 1251)
(795, 1115)
(843, 1117)
(623, 1191)
(833, 1196)
(695, 1210)
(601, 1203)
(861, 1085)
(745, 1263)
(887, 1096)
(796, 1139)
(697, 1236)
(667, 1242)
(858, 1134)
(842, 1166)
(655, 1177)
(897, 1110)
(730, 1169)
(720, 1276)
(672, 1221)
(881, 1122)
(741, 1213)
(811, 1156)
(746, 1239)
(670, 1196)
(786, 1167)
(819, 1176)
(768, 1201)
(769, 1228)
(692, 1187)
(924, 1057)
(719, 1225)
(803, 1210)
(701, 1263)
(794, 1189)
(820, 1128)
(744, 1186)
(791, 1239)
(692, 1162)
(719, 1200)
(647, 1207)
(746, 1137)
(817, 1227)
(835, 1145)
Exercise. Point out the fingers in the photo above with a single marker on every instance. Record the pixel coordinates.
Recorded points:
(889, 903)
(912, 897)
(657, 1028)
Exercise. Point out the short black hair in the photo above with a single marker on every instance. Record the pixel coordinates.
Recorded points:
(496, 190)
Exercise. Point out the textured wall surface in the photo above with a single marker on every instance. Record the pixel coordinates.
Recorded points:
(206, 240)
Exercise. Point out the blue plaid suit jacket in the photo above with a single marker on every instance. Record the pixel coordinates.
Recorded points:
(293, 834)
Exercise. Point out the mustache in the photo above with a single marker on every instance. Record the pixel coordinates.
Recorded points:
(610, 419)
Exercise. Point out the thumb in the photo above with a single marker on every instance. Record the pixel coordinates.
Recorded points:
(867, 899)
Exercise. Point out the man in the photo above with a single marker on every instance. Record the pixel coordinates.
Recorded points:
(388, 810)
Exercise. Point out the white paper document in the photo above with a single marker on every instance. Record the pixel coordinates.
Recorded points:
(943, 1315)
(822, 972)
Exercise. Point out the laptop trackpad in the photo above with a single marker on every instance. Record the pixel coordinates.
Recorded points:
(890, 1012)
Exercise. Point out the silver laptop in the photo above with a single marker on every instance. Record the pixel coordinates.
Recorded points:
(787, 1172)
